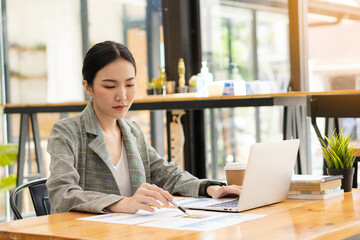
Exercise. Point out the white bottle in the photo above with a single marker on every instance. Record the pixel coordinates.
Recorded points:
(204, 79)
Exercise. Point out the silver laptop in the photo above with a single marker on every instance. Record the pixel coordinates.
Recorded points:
(267, 178)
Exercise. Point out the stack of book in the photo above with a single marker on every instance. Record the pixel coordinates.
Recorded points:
(315, 187)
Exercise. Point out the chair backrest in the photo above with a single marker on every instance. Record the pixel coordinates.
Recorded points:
(39, 195)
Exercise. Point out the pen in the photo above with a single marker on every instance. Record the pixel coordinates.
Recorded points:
(178, 206)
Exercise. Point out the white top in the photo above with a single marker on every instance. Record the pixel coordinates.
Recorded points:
(123, 179)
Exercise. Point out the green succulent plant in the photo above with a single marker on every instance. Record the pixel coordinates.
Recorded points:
(160, 81)
(339, 153)
(8, 155)
(193, 81)
(150, 85)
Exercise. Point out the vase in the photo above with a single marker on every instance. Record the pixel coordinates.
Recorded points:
(192, 89)
(183, 89)
(150, 91)
(170, 87)
(347, 181)
(160, 91)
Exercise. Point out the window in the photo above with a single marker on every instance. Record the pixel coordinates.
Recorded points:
(124, 22)
(334, 62)
(333, 58)
(248, 42)
(45, 53)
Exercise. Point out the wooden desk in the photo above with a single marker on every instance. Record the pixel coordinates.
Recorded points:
(335, 218)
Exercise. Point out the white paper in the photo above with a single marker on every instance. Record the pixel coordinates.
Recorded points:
(174, 219)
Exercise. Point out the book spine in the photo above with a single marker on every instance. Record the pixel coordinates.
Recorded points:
(332, 177)
(316, 196)
(323, 192)
(318, 180)
(315, 187)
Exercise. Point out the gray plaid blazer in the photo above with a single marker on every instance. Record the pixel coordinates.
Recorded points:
(82, 177)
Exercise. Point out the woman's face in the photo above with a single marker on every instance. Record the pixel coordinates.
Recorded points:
(114, 89)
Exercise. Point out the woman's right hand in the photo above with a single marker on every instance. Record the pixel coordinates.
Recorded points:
(146, 196)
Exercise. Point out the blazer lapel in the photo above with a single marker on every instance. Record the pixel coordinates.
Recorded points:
(98, 145)
(136, 167)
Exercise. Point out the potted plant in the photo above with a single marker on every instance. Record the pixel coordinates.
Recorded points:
(8, 155)
(193, 84)
(150, 90)
(160, 82)
(340, 155)
(159, 86)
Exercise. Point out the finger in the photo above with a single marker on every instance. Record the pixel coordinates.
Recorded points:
(167, 195)
(153, 201)
(163, 192)
(158, 196)
(146, 185)
(156, 192)
(148, 200)
(144, 195)
(235, 190)
(227, 191)
(146, 207)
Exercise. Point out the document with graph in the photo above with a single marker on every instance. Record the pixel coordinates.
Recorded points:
(174, 219)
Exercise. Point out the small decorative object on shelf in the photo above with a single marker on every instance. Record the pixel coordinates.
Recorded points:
(204, 79)
(181, 70)
(150, 90)
(193, 84)
(340, 155)
(170, 87)
(159, 83)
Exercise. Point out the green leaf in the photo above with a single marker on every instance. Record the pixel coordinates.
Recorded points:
(327, 156)
(338, 162)
(8, 154)
(7, 183)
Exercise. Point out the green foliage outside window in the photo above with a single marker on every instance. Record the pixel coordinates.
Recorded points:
(8, 155)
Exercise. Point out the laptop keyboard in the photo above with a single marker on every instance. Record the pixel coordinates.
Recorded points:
(230, 204)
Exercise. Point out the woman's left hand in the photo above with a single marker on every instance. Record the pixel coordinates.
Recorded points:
(219, 192)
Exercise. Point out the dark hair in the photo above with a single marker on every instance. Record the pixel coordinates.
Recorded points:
(100, 55)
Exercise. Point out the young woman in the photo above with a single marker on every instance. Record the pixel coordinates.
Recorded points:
(101, 162)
